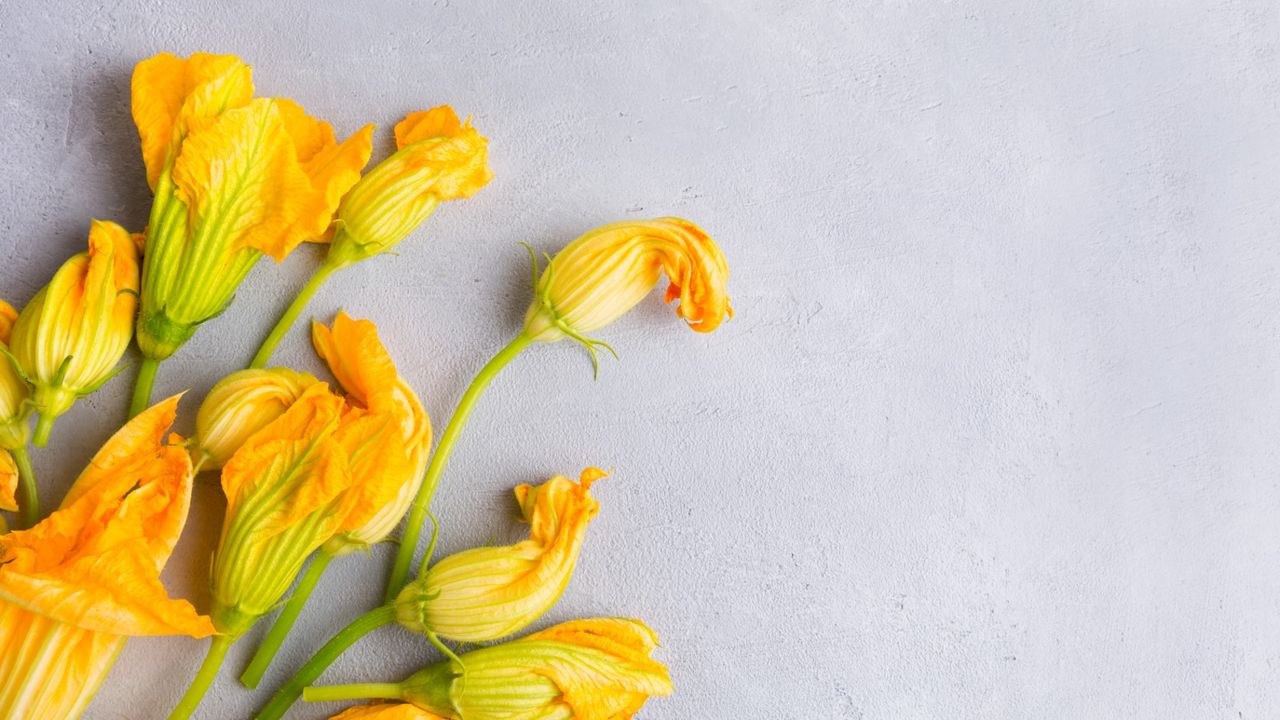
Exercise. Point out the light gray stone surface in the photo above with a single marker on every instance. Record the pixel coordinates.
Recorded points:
(994, 433)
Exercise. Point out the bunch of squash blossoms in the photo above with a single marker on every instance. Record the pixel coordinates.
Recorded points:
(313, 471)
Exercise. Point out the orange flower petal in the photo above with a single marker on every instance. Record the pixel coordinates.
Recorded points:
(95, 562)
(240, 173)
(8, 482)
(8, 316)
(169, 92)
(386, 711)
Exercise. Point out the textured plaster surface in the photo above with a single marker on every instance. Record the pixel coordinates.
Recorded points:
(995, 430)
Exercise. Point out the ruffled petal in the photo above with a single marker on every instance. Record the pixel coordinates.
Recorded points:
(333, 167)
(95, 562)
(358, 360)
(439, 121)
(8, 482)
(8, 316)
(168, 92)
(239, 172)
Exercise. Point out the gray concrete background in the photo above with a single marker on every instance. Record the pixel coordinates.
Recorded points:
(994, 433)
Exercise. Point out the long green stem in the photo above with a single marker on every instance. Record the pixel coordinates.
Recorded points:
(359, 691)
(290, 316)
(142, 386)
(284, 621)
(324, 657)
(29, 496)
(204, 678)
(422, 502)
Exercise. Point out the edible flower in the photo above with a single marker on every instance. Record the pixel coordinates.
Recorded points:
(70, 337)
(489, 593)
(78, 584)
(597, 669)
(235, 178)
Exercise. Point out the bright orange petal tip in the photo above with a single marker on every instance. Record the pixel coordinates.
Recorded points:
(94, 563)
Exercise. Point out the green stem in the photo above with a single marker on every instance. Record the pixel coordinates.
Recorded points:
(284, 622)
(359, 691)
(29, 496)
(142, 386)
(290, 316)
(422, 502)
(204, 678)
(44, 426)
(324, 657)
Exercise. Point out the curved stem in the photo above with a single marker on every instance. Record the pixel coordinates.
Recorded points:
(290, 316)
(29, 496)
(359, 691)
(204, 678)
(284, 621)
(142, 386)
(324, 657)
(422, 502)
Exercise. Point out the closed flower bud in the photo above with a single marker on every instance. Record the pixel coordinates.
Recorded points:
(438, 158)
(588, 669)
(14, 391)
(491, 592)
(240, 405)
(70, 337)
(600, 276)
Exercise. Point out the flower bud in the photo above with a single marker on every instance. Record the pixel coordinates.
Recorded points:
(491, 592)
(14, 391)
(240, 405)
(439, 158)
(70, 337)
(386, 711)
(8, 485)
(600, 276)
(582, 669)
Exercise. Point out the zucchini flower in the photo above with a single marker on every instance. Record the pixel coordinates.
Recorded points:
(240, 405)
(385, 435)
(77, 585)
(235, 178)
(597, 278)
(389, 471)
(439, 158)
(489, 593)
(590, 669)
(70, 337)
(289, 489)
(590, 283)
(16, 475)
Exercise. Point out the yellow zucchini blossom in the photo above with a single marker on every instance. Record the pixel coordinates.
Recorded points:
(386, 711)
(438, 158)
(240, 405)
(15, 393)
(597, 669)
(76, 585)
(235, 177)
(13, 428)
(489, 593)
(289, 488)
(70, 337)
(597, 278)
(388, 465)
